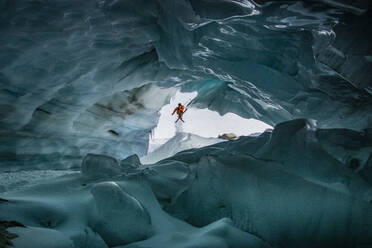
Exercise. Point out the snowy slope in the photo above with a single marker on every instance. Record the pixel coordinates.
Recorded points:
(181, 141)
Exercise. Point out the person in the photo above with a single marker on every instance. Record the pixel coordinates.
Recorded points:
(180, 110)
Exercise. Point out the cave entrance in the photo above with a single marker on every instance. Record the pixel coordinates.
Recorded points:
(201, 122)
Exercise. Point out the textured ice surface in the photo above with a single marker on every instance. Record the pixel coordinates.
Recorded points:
(259, 188)
(130, 164)
(99, 166)
(120, 217)
(40, 237)
(80, 77)
(239, 193)
(10, 181)
(89, 77)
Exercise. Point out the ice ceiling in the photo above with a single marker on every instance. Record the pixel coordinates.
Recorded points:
(90, 76)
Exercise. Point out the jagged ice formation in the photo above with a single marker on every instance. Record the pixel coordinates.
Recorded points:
(81, 84)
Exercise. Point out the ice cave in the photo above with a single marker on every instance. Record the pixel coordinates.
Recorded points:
(273, 150)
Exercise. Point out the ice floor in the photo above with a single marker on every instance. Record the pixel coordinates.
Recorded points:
(239, 193)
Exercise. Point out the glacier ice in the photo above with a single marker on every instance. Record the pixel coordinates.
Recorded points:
(11, 181)
(81, 87)
(99, 166)
(239, 193)
(130, 163)
(72, 71)
(35, 237)
(120, 217)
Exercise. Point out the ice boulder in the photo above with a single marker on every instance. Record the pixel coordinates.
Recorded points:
(118, 217)
(130, 163)
(263, 197)
(168, 231)
(353, 148)
(168, 179)
(302, 149)
(95, 166)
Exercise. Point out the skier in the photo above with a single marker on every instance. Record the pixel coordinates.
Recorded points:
(180, 109)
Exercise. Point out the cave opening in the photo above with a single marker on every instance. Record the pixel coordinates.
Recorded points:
(201, 122)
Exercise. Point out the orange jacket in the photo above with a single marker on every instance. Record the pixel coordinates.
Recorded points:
(179, 109)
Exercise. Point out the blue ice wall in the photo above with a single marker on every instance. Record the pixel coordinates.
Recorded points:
(62, 62)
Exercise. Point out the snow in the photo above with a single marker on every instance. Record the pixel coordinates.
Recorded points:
(202, 122)
(181, 141)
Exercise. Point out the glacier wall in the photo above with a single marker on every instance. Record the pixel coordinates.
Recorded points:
(66, 68)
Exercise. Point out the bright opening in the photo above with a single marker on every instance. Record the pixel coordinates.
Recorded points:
(202, 122)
